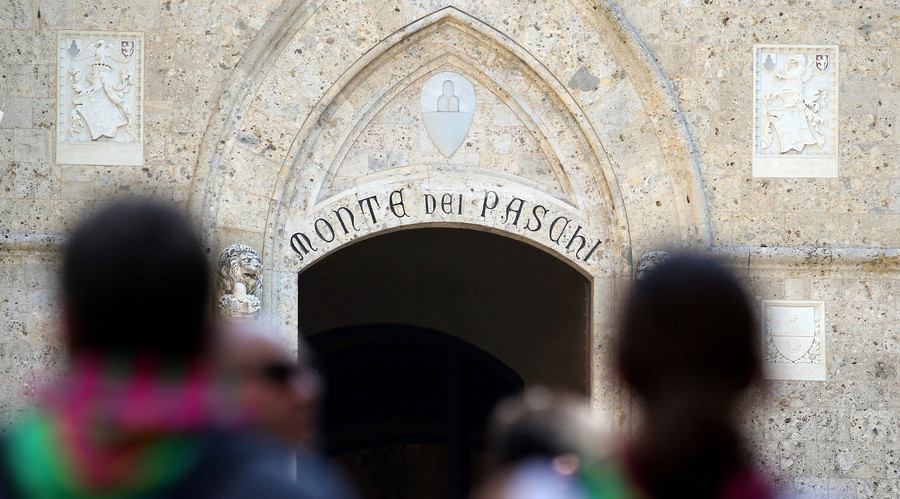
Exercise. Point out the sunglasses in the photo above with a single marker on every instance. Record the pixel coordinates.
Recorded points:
(281, 373)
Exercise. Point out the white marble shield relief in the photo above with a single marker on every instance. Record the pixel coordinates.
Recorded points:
(794, 339)
(448, 107)
(792, 330)
(795, 111)
(100, 98)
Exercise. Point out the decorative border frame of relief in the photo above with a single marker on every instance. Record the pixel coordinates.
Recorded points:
(75, 145)
(811, 365)
(793, 163)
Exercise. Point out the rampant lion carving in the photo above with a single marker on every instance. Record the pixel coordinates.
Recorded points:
(239, 282)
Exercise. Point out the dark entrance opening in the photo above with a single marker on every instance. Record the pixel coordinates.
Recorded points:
(420, 333)
(414, 424)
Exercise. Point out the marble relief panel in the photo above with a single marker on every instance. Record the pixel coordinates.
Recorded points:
(100, 80)
(795, 129)
(794, 339)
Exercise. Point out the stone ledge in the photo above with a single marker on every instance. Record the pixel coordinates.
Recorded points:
(882, 259)
(31, 243)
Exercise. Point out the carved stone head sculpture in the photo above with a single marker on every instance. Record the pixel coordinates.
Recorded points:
(649, 262)
(239, 282)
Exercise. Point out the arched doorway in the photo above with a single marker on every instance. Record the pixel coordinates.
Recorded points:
(421, 332)
(624, 150)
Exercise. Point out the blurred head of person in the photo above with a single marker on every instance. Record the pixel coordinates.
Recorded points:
(543, 423)
(136, 283)
(138, 413)
(135, 286)
(687, 329)
(541, 440)
(688, 348)
(280, 391)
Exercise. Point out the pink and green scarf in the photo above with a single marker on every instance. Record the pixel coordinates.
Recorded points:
(114, 428)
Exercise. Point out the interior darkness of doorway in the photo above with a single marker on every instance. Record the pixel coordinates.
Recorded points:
(516, 302)
(421, 332)
(407, 408)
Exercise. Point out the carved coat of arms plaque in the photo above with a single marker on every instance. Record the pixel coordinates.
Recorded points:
(100, 98)
(448, 107)
(795, 111)
(793, 339)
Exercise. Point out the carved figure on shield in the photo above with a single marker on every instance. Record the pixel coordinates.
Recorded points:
(100, 99)
(448, 106)
(448, 102)
(792, 116)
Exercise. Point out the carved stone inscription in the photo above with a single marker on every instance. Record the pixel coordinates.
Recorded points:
(795, 111)
(555, 228)
(793, 334)
(100, 98)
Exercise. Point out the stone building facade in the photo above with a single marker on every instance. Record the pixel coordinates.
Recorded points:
(596, 132)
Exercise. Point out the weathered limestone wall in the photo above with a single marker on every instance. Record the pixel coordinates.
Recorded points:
(633, 121)
(838, 436)
(191, 49)
(705, 50)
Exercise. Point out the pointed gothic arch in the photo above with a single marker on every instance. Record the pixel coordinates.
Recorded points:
(633, 185)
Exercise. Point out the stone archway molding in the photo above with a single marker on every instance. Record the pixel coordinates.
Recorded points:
(301, 211)
(636, 190)
(652, 87)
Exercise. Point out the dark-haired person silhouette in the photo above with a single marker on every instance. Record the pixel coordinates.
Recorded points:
(688, 348)
(136, 413)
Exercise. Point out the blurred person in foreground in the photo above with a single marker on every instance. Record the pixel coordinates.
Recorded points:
(136, 414)
(280, 396)
(543, 440)
(688, 348)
